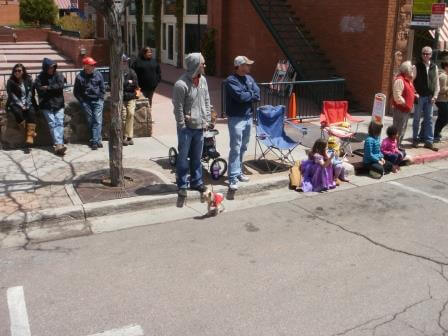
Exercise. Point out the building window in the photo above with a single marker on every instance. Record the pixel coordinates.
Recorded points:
(192, 7)
(150, 38)
(191, 37)
(148, 7)
(132, 8)
(169, 7)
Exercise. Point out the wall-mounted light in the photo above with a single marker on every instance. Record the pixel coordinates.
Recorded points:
(83, 51)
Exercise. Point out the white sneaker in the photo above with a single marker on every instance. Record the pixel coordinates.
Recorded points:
(243, 178)
(233, 186)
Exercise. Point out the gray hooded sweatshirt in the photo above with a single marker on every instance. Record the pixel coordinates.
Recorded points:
(191, 103)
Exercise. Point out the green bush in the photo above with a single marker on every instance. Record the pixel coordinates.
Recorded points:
(76, 23)
(38, 11)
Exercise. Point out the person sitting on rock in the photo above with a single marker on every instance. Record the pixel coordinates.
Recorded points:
(49, 85)
(21, 102)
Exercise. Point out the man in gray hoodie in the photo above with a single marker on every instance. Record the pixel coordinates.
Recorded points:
(191, 102)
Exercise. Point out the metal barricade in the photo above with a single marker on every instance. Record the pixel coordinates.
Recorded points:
(309, 95)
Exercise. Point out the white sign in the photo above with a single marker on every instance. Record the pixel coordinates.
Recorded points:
(379, 108)
(437, 15)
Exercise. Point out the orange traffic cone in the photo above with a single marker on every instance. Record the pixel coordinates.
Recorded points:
(292, 106)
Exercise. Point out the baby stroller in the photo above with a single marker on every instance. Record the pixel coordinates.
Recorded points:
(218, 167)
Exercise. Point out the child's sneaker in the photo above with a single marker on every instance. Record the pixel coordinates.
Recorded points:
(374, 174)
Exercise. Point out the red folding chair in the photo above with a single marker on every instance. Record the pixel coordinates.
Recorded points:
(336, 121)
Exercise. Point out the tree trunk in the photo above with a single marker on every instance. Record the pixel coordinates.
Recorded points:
(116, 99)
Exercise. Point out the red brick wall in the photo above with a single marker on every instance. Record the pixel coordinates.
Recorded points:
(242, 32)
(9, 14)
(26, 35)
(71, 47)
(363, 55)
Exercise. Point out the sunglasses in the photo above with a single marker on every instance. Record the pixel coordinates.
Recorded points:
(427, 54)
(18, 70)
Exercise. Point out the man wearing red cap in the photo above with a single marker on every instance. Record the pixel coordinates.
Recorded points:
(89, 90)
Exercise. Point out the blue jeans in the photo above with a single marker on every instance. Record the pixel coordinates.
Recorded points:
(55, 120)
(239, 133)
(190, 144)
(424, 107)
(94, 114)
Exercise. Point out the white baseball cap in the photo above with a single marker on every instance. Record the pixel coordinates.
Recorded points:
(240, 60)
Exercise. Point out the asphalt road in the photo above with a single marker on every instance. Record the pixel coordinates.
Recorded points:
(371, 260)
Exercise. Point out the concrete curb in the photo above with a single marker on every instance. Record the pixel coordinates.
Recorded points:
(97, 209)
(423, 158)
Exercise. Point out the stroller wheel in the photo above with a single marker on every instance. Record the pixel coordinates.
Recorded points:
(218, 168)
(172, 156)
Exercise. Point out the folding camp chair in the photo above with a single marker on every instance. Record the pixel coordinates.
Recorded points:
(336, 121)
(270, 132)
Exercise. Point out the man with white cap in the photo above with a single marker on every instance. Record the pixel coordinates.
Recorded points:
(89, 90)
(241, 93)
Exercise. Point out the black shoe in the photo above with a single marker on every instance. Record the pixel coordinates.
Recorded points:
(94, 146)
(99, 145)
(125, 142)
(431, 147)
(201, 188)
(415, 143)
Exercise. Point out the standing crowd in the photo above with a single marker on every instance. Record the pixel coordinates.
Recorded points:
(142, 76)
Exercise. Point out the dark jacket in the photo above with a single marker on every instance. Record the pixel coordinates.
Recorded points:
(14, 92)
(51, 97)
(89, 87)
(148, 73)
(129, 84)
(425, 84)
(241, 93)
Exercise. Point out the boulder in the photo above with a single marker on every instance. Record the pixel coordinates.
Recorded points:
(75, 125)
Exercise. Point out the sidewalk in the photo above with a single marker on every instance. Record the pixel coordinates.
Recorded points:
(40, 189)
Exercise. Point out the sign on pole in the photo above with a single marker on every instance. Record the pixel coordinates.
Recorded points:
(379, 108)
(421, 13)
(437, 15)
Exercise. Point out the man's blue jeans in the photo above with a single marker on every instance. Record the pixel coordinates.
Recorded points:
(190, 144)
(55, 120)
(424, 107)
(93, 110)
(239, 133)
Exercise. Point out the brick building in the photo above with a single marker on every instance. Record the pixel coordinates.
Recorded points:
(352, 39)
(9, 12)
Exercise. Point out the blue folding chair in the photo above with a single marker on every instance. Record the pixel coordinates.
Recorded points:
(270, 132)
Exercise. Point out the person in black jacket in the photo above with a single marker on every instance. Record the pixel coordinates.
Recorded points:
(21, 102)
(89, 90)
(129, 96)
(148, 73)
(49, 86)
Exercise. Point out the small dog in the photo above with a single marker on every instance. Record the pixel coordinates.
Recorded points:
(214, 202)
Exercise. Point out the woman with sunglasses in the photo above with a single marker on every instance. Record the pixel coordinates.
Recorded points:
(21, 102)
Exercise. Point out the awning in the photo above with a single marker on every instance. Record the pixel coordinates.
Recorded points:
(443, 33)
(66, 4)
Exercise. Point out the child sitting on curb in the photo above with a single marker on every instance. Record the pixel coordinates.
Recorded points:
(373, 158)
(338, 167)
(317, 171)
(390, 150)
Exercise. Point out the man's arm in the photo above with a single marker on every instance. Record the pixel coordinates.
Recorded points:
(208, 113)
(398, 92)
(437, 90)
(237, 91)
(179, 92)
(256, 91)
(102, 88)
(77, 89)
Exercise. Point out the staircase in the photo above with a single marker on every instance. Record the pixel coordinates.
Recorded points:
(297, 43)
(30, 54)
(295, 40)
